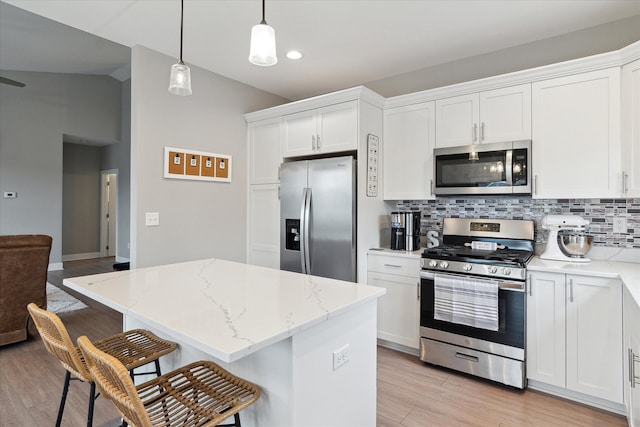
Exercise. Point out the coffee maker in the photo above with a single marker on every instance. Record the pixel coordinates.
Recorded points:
(405, 231)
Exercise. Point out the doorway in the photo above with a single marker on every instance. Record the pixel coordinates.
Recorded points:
(108, 212)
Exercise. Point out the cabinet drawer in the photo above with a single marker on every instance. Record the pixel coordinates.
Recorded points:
(399, 266)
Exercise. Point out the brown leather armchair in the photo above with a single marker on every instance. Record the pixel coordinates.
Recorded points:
(24, 260)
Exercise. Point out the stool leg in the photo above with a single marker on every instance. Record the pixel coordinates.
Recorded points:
(92, 399)
(236, 419)
(65, 389)
(157, 367)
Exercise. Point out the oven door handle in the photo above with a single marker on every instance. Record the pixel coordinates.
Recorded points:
(507, 285)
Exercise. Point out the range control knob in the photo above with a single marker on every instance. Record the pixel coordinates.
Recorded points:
(493, 269)
(466, 267)
(506, 271)
(433, 263)
(444, 264)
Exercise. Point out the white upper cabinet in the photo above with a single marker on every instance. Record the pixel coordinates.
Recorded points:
(576, 136)
(491, 116)
(323, 130)
(631, 129)
(264, 151)
(409, 135)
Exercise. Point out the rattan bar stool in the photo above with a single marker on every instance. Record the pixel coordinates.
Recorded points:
(132, 348)
(198, 394)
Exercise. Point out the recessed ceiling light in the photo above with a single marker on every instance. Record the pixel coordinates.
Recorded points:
(294, 54)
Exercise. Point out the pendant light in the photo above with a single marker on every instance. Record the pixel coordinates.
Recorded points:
(180, 81)
(263, 44)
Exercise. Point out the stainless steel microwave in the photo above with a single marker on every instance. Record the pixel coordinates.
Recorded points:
(497, 168)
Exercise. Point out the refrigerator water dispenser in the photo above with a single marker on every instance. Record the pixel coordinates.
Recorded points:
(292, 233)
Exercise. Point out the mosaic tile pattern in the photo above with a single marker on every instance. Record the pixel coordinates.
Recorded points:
(599, 212)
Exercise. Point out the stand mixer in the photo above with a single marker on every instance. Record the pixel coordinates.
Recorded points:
(556, 249)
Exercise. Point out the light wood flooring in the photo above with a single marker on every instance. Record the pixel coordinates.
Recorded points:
(410, 393)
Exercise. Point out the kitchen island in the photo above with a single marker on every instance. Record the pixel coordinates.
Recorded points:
(308, 342)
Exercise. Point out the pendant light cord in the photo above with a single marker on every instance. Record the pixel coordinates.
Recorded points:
(181, 22)
(263, 21)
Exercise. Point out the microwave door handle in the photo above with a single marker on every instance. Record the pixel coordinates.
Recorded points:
(509, 167)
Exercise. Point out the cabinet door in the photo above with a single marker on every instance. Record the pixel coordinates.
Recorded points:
(299, 132)
(505, 114)
(576, 136)
(631, 367)
(457, 121)
(594, 337)
(409, 134)
(338, 127)
(631, 128)
(264, 151)
(545, 328)
(263, 234)
(398, 320)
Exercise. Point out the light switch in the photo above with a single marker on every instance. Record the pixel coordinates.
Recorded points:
(152, 219)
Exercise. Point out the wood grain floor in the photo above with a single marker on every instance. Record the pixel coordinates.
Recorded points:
(410, 393)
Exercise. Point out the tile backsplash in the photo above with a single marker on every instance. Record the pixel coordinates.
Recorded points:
(599, 212)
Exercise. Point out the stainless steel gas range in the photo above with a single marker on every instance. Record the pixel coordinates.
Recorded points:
(473, 299)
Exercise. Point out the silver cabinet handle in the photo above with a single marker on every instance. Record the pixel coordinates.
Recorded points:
(482, 131)
(625, 176)
(530, 287)
(392, 265)
(467, 357)
(418, 293)
(475, 132)
(571, 290)
(633, 359)
(313, 142)
(318, 142)
(432, 187)
(535, 184)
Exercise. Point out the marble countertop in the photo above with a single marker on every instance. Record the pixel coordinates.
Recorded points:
(224, 308)
(629, 272)
(402, 254)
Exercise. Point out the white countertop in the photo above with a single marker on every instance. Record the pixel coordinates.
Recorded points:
(629, 272)
(224, 308)
(390, 252)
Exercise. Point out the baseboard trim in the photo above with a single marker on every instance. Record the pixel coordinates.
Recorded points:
(55, 266)
(77, 257)
(398, 347)
(596, 402)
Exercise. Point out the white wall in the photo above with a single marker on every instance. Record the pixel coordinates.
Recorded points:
(197, 219)
(33, 120)
(578, 44)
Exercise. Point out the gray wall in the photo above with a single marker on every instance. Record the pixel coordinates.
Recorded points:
(197, 219)
(591, 41)
(33, 120)
(81, 199)
(118, 156)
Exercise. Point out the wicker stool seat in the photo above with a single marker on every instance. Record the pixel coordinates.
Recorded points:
(133, 348)
(199, 394)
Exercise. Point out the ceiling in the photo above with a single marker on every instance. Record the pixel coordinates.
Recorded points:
(345, 43)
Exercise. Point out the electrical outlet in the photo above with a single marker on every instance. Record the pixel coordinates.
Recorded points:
(620, 224)
(340, 356)
(152, 219)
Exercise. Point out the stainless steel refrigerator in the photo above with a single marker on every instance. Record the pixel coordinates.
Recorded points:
(318, 217)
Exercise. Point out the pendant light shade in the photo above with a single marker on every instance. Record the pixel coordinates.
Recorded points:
(180, 80)
(263, 44)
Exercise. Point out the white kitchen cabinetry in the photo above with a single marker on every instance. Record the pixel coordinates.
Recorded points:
(409, 135)
(631, 129)
(398, 309)
(631, 351)
(263, 212)
(329, 129)
(585, 312)
(576, 136)
(491, 116)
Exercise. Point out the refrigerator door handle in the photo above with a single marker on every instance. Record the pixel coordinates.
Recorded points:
(307, 237)
(303, 237)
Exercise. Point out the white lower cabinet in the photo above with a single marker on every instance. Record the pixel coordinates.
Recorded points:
(263, 226)
(398, 309)
(631, 351)
(574, 334)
